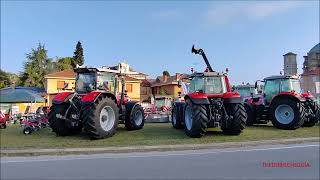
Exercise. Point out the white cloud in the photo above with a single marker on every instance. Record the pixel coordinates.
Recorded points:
(222, 14)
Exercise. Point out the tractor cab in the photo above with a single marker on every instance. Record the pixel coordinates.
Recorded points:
(94, 79)
(275, 85)
(208, 83)
(246, 90)
(283, 103)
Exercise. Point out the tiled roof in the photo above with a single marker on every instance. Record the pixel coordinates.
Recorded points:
(127, 78)
(62, 74)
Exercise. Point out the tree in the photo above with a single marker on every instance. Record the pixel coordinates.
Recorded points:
(64, 63)
(4, 79)
(36, 67)
(78, 55)
(166, 73)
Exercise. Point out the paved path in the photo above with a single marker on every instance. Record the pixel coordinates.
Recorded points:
(230, 163)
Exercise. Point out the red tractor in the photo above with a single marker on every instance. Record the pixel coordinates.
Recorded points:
(210, 102)
(283, 103)
(94, 106)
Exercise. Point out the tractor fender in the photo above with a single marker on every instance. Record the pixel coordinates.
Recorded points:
(197, 99)
(62, 97)
(235, 100)
(286, 96)
(308, 96)
(93, 96)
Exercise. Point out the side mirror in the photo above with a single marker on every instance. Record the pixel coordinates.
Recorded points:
(256, 85)
(179, 83)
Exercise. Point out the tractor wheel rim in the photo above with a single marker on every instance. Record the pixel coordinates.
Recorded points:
(284, 114)
(138, 118)
(188, 117)
(174, 117)
(107, 118)
(26, 131)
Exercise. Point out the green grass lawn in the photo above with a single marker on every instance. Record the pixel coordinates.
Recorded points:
(151, 134)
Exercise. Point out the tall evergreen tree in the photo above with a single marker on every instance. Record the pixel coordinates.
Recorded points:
(78, 55)
(36, 67)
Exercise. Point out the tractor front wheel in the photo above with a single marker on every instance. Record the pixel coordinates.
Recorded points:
(58, 125)
(135, 118)
(250, 114)
(27, 130)
(236, 121)
(176, 116)
(100, 119)
(195, 119)
(287, 113)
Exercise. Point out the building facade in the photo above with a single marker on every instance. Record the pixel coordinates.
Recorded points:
(310, 78)
(166, 85)
(62, 81)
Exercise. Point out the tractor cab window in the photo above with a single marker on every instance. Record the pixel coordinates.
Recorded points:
(106, 81)
(244, 92)
(271, 89)
(296, 85)
(197, 84)
(86, 82)
(214, 85)
(209, 85)
(290, 85)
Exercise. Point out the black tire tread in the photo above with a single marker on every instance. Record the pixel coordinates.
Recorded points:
(89, 117)
(313, 121)
(130, 123)
(177, 110)
(238, 122)
(200, 120)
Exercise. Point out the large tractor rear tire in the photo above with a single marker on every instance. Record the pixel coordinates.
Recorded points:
(59, 126)
(237, 122)
(316, 118)
(287, 113)
(177, 115)
(134, 117)
(100, 119)
(250, 114)
(195, 119)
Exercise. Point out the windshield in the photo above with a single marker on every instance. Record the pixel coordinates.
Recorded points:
(290, 85)
(209, 85)
(86, 82)
(246, 91)
(106, 81)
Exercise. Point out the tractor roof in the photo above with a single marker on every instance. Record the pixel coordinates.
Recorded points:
(281, 77)
(245, 86)
(207, 74)
(103, 69)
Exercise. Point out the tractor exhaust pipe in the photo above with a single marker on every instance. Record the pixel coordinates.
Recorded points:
(201, 52)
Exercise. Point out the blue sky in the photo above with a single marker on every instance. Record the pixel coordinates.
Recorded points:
(248, 37)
